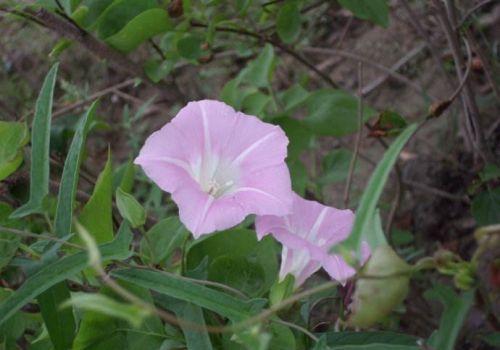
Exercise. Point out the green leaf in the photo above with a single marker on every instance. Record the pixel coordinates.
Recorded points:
(119, 13)
(132, 313)
(162, 239)
(238, 272)
(60, 323)
(255, 103)
(334, 112)
(299, 135)
(370, 341)
(373, 191)
(59, 48)
(389, 124)
(252, 338)
(282, 289)
(97, 215)
(40, 142)
(486, 207)
(456, 308)
(230, 93)
(96, 8)
(492, 339)
(288, 22)
(294, 97)
(8, 242)
(259, 71)
(141, 28)
(124, 176)
(8, 167)
(100, 331)
(282, 337)
(189, 46)
(195, 338)
(183, 289)
(237, 259)
(299, 175)
(156, 71)
(376, 11)
(130, 209)
(60, 270)
(489, 172)
(10, 332)
(335, 166)
(69, 179)
(12, 136)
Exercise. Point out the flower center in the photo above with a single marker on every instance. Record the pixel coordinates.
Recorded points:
(216, 176)
(216, 190)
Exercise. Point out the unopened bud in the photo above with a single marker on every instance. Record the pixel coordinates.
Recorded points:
(464, 279)
(382, 285)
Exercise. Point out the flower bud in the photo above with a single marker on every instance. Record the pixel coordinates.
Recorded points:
(464, 279)
(382, 285)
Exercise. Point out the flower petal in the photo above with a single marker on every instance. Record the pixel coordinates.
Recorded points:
(220, 166)
(202, 213)
(310, 231)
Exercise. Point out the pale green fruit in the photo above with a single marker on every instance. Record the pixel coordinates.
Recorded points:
(384, 288)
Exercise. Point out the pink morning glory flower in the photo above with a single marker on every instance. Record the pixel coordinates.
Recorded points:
(306, 236)
(219, 165)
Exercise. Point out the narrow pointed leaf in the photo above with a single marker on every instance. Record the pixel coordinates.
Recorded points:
(195, 338)
(183, 289)
(69, 180)
(373, 191)
(60, 270)
(130, 209)
(455, 311)
(60, 323)
(40, 143)
(133, 314)
(97, 214)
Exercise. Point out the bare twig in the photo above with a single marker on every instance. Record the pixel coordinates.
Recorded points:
(470, 12)
(274, 43)
(71, 31)
(436, 191)
(67, 108)
(414, 21)
(365, 60)
(394, 68)
(344, 32)
(357, 144)
(488, 69)
(21, 14)
(447, 18)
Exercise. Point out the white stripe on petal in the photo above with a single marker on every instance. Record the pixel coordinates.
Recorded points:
(173, 161)
(256, 190)
(251, 148)
(206, 133)
(313, 234)
(206, 207)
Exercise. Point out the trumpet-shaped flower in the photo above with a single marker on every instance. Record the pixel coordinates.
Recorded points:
(306, 236)
(219, 165)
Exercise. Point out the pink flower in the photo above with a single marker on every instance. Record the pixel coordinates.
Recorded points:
(307, 235)
(219, 165)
